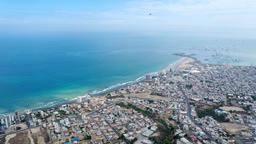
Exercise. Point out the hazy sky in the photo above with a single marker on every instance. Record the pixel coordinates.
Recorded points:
(187, 15)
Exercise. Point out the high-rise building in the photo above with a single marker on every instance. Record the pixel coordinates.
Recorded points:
(6, 122)
(148, 77)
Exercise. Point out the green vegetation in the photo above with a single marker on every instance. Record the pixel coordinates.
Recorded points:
(146, 113)
(189, 86)
(247, 108)
(38, 115)
(211, 112)
(62, 112)
(150, 101)
(171, 82)
(127, 141)
(208, 81)
(133, 141)
(166, 131)
(87, 137)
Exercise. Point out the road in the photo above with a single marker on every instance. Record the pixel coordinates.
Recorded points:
(189, 112)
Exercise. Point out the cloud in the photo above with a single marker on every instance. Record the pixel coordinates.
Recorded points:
(220, 13)
(134, 15)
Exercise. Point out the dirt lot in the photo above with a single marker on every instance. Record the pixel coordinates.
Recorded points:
(39, 135)
(232, 108)
(20, 138)
(33, 136)
(233, 128)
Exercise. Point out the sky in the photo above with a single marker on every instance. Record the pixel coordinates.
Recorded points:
(130, 15)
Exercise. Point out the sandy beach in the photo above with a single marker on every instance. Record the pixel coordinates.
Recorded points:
(182, 63)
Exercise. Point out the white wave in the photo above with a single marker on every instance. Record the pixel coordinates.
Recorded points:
(117, 86)
(172, 65)
(98, 92)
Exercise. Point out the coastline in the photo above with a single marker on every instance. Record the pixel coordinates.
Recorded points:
(103, 92)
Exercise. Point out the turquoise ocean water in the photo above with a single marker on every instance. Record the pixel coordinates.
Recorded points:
(39, 70)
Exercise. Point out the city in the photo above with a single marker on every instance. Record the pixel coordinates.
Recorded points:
(187, 103)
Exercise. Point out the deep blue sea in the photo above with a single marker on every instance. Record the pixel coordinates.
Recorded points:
(39, 70)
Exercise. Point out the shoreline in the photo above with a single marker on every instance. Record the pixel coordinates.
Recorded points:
(139, 79)
(104, 92)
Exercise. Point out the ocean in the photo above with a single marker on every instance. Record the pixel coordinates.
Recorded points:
(38, 70)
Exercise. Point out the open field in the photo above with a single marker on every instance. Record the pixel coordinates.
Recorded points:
(232, 108)
(233, 128)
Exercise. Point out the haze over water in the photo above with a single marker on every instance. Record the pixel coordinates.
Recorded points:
(38, 69)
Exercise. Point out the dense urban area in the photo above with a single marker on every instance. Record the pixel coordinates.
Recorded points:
(187, 103)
